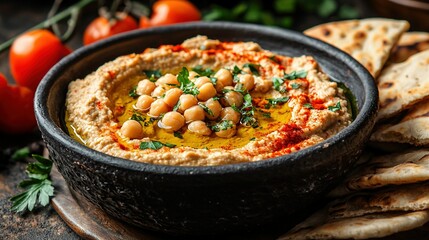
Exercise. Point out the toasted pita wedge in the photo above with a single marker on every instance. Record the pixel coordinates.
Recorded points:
(320, 226)
(409, 44)
(369, 40)
(412, 129)
(412, 197)
(404, 84)
(411, 166)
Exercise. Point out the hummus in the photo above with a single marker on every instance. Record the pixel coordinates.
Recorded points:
(205, 102)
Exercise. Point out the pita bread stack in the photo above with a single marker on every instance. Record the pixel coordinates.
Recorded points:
(385, 193)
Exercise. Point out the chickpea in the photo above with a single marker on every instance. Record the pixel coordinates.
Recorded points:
(207, 90)
(224, 76)
(167, 79)
(215, 109)
(194, 113)
(227, 133)
(219, 87)
(132, 129)
(247, 80)
(201, 81)
(172, 121)
(187, 101)
(145, 87)
(172, 96)
(232, 98)
(158, 107)
(263, 86)
(192, 75)
(143, 102)
(230, 114)
(200, 128)
(158, 92)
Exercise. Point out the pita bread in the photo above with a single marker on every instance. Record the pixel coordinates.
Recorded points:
(369, 40)
(403, 84)
(409, 44)
(405, 198)
(394, 169)
(319, 226)
(413, 128)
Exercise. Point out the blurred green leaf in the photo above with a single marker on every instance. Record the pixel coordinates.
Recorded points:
(327, 8)
(285, 6)
(348, 12)
(285, 22)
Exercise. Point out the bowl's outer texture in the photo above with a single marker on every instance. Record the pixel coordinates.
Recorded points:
(205, 200)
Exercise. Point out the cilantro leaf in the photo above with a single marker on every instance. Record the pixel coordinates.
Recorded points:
(37, 189)
(187, 86)
(133, 92)
(295, 74)
(203, 72)
(254, 68)
(335, 108)
(155, 145)
(278, 84)
(206, 109)
(153, 74)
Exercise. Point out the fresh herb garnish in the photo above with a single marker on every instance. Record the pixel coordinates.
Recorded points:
(252, 139)
(133, 92)
(223, 125)
(21, 153)
(213, 80)
(254, 68)
(216, 98)
(335, 108)
(155, 145)
(177, 106)
(178, 135)
(274, 59)
(266, 114)
(38, 188)
(295, 74)
(295, 85)
(275, 101)
(278, 84)
(236, 70)
(248, 112)
(203, 72)
(137, 118)
(206, 109)
(187, 86)
(153, 74)
(308, 105)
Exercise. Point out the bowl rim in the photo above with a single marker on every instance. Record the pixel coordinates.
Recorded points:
(44, 121)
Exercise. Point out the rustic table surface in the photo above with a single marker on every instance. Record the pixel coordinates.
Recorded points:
(44, 223)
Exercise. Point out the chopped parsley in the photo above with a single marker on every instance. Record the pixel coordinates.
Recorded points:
(203, 72)
(295, 74)
(254, 68)
(206, 109)
(295, 85)
(335, 108)
(137, 118)
(187, 86)
(177, 106)
(278, 84)
(308, 105)
(252, 139)
(248, 112)
(223, 125)
(266, 114)
(153, 74)
(133, 92)
(236, 70)
(275, 101)
(178, 135)
(274, 59)
(155, 145)
(213, 80)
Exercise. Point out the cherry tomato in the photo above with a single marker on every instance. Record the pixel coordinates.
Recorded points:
(171, 11)
(16, 108)
(32, 54)
(101, 27)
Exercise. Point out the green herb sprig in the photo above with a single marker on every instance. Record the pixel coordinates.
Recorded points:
(187, 86)
(37, 188)
(335, 108)
(155, 145)
(153, 75)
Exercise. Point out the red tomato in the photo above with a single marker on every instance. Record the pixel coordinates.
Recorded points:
(16, 108)
(171, 11)
(32, 54)
(101, 27)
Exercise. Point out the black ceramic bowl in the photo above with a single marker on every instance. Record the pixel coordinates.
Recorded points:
(205, 200)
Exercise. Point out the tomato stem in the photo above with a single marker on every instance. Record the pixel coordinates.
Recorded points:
(50, 21)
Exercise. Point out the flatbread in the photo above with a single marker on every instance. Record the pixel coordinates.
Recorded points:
(409, 44)
(320, 226)
(413, 128)
(368, 40)
(404, 84)
(413, 197)
(411, 166)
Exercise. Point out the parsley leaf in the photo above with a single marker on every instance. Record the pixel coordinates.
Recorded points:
(137, 117)
(236, 70)
(153, 74)
(155, 145)
(203, 72)
(248, 112)
(133, 92)
(21, 154)
(275, 101)
(275, 59)
(308, 105)
(278, 84)
(178, 135)
(177, 106)
(295, 74)
(38, 188)
(206, 109)
(223, 125)
(187, 86)
(335, 108)
(254, 68)
(295, 85)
